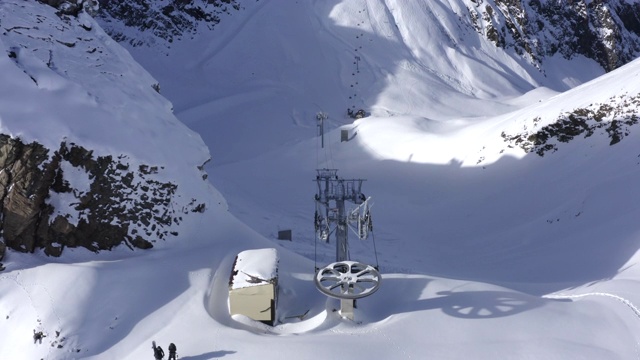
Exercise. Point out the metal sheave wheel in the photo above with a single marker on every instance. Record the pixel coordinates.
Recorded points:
(348, 280)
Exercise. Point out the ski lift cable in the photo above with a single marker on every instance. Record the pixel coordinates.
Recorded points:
(315, 241)
(328, 156)
(328, 149)
(373, 239)
(330, 162)
(375, 250)
(317, 151)
(315, 253)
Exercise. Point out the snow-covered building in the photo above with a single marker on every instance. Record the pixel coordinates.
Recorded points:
(253, 285)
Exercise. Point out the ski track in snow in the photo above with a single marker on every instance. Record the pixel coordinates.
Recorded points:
(209, 53)
(41, 324)
(626, 302)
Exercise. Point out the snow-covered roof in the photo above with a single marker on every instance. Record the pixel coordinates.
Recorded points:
(254, 267)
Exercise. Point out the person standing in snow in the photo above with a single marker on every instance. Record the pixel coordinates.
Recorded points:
(172, 351)
(158, 353)
(37, 336)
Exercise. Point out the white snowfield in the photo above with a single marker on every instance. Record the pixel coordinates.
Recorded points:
(486, 252)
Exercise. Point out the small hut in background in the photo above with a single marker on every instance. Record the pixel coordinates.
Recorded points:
(253, 285)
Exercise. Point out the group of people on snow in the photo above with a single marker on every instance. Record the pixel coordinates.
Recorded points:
(158, 353)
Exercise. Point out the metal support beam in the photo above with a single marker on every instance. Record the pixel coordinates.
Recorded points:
(342, 234)
(321, 117)
(344, 279)
(332, 194)
(346, 308)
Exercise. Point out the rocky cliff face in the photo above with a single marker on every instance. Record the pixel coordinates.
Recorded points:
(73, 7)
(41, 206)
(170, 21)
(612, 119)
(606, 31)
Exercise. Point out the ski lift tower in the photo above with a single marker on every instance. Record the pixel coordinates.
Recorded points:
(344, 279)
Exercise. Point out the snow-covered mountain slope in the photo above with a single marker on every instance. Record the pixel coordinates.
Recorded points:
(111, 145)
(486, 251)
(385, 57)
(73, 58)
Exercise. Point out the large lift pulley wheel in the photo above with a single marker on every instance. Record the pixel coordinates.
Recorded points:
(348, 280)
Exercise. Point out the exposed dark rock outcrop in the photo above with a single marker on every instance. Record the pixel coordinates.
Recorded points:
(73, 7)
(42, 208)
(606, 31)
(612, 119)
(170, 21)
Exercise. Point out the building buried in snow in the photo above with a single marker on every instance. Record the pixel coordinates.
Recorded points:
(253, 285)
